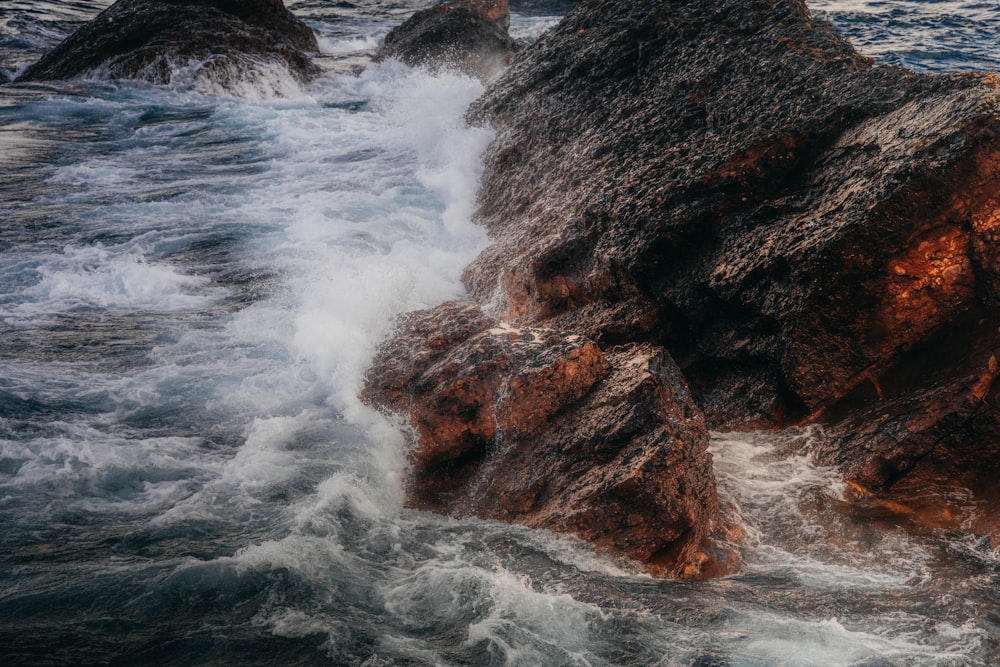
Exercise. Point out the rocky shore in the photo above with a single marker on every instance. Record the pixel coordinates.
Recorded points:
(730, 186)
(713, 215)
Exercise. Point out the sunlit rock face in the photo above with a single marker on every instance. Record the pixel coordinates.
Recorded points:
(470, 36)
(152, 39)
(737, 184)
(541, 427)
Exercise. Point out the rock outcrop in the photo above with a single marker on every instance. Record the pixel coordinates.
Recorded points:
(732, 181)
(467, 35)
(814, 239)
(542, 428)
(150, 39)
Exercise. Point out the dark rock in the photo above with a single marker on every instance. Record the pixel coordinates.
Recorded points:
(932, 414)
(541, 428)
(468, 35)
(732, 181)
(148, 39)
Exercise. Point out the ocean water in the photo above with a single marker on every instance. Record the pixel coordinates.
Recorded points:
(193, 279)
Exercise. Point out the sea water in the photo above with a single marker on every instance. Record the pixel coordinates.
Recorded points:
(193, 279)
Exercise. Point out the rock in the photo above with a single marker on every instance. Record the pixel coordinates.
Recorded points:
(542, 428)
(468, 35)
(150, 39)
(932, 414)
(730, 180)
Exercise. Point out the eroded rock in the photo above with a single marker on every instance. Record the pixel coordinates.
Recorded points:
(152, 39)
(468, 35)
(542, 428)
(741, 187)
(813, 238)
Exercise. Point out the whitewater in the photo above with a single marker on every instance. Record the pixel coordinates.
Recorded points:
(193, 280)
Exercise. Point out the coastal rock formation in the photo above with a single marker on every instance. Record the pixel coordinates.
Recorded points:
(732, 181)
(149, 39)
(814, 239)
(468, 35)
(542, 428)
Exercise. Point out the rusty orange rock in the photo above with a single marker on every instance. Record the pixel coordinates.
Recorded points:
(542, 428)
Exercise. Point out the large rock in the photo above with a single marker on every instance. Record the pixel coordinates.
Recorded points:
(732, 181)
(467, 35)
(151, 39)
(542, 428)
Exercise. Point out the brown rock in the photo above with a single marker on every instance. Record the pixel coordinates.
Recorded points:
(933, 414)
(741, 187)
(146, 39)
(468, 35)
(540, 427)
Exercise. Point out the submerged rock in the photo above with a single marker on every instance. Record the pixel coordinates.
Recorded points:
(731, 180)
(542, 428)
(150, 39)
(468, 35)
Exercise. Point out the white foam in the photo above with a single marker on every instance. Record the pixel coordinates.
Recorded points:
(766, 638)
(100, 277)
(381, 239)
(353, 44)
(251, 79)
(789, 509)
(101, 471)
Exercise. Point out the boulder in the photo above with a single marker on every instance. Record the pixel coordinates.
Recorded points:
(149, 39)
(468, 35)
(542, 428)
(732, 181)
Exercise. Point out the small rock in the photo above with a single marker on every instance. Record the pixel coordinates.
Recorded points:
(468, 35)
(148, 39)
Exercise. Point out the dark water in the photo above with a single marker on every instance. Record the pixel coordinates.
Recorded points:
(192, 281)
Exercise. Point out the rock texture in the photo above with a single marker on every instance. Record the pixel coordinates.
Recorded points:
(814, 239)
(732, 181)
(148, 39)
(542, 428)
(468, 35)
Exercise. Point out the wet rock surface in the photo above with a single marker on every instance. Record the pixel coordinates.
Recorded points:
(542, 428)
(744, 189)
(148, 39)
(468, 35)
(813, 239)
(932, 415)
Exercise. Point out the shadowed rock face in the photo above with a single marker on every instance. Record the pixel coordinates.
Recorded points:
(145, 39)
(732, 181)
(542, 428)
(468, 35)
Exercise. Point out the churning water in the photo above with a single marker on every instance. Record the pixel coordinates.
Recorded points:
(192, 282)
